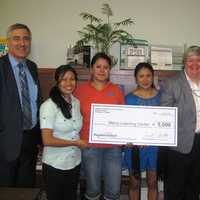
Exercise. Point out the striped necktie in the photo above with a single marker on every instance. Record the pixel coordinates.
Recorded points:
(26, 103)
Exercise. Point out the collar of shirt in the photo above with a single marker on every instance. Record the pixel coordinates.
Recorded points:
(195, 87)
(14, 62)
(196, 95)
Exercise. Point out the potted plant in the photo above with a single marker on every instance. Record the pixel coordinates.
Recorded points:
(102, 35)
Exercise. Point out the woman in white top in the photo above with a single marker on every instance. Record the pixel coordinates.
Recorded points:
(61, 121)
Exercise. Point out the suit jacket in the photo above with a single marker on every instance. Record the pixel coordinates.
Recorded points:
(177, 92)
(11, 127)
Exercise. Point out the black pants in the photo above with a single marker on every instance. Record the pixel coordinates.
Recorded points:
(61, 184)
(182, 178)
(21, 172)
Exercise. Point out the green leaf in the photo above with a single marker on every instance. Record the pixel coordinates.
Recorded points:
(103, 35)
(88, 16)
(125, 22)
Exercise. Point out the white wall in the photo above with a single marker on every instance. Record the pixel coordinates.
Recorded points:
(54, 23)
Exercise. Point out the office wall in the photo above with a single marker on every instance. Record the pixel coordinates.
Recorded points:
(54, 24)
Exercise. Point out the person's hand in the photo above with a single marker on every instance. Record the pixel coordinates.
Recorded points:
(81, 144)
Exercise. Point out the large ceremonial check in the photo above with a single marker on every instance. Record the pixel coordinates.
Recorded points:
(140, 125)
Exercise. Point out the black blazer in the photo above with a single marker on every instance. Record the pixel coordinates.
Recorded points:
(10, 110)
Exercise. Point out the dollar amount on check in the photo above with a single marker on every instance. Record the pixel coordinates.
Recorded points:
(140, 125)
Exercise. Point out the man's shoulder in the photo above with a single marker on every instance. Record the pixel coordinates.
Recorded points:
(4, 64)
(178, 77)
(4, 60)
(31, 63)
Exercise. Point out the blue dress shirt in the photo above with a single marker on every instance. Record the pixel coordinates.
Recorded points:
(33, 89)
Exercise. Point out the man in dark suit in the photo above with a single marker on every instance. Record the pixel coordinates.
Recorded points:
(19, 104)
(182, 178)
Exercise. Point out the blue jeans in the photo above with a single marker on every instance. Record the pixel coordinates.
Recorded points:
(106, 162)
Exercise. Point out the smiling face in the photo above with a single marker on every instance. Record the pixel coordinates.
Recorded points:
(192, 67)
(144, 78)
(19, 42)
(67, 83)
(100, 70)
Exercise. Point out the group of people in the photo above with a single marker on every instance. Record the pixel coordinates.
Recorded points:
(61, 126)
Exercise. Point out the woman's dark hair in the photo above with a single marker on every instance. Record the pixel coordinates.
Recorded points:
(101, 55)
(144, 65)
(55, 93)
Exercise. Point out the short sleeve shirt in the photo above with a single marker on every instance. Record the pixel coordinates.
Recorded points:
(51, 117)
(88, 94)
